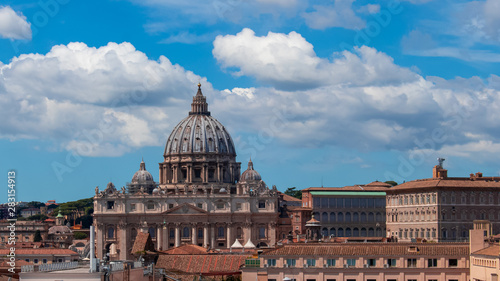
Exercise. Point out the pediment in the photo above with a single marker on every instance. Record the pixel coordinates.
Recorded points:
(185, 209)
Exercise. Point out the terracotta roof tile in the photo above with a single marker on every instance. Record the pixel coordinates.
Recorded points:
(188, 249)
(374, 186)
(201, 264)
(373, 249)
(287, 197)
(142, 243)
(448, 183)
(493, 250)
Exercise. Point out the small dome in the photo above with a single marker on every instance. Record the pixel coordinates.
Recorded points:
(250, 174)
(142, 175)
(156, 191)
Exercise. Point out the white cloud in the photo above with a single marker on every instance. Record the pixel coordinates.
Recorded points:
(13, 25)
(369, 9)
(106, 100)
(288, 61)
(340, 14)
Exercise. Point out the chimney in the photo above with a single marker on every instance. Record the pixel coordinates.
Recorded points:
(439, 171)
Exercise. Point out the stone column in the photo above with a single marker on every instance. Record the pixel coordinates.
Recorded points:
(229, 235)
(271, 236)
(212, 236)
(99, 240)
(164, 239)
(159, 238)
(247, 232)
(205, 235)
(204, 173)
(194, 239)
(177, 234)
(190, 173)
(123, 235)
(219, 172)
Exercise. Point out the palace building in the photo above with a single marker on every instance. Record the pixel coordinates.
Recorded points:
(201, 197)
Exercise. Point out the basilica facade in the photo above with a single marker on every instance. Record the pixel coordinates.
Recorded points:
(201, 197)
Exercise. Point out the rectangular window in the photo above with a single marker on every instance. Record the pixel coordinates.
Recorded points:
(132, 207)
(59, 260)
(262, 204)
(238, 206)
(111, 205)
(291, 262)
(310, 279)
(432, 263)
(271, 262)
(331, 279)
(200, 232)
(200, 205)
(44, 260)
(172, 233)
(219, 205)
(151, 206)
(371, 262)
(391, 262)
(330, 262)
(170, 206)
(311, 262)
(452, 262)
(411, 263)
(27, 260)
(35, 260)
(351, 262)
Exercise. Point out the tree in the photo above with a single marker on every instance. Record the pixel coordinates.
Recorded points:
(38, 236)
(294, 193)
(79, 235)
(39, 217)
(393, 183)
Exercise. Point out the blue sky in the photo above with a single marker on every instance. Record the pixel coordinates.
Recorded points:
(317, 92)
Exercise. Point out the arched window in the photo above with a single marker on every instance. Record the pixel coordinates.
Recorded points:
(262, 233)
(324, 217)
(185, 232)
(332, 231)
(340, 218)
(324, 232)
(152, 233)
(332, 217)
(355, 232)
(111, 232)
(363, 232)
(133, 233)
(200, 233)
(379, 232)
(348, 232)
(371, 232)
(340, 232)
(220, 232)
(380, 218)
(355, 217)
(371, 217)
(239, 233)
(363, 217)
(347, 217)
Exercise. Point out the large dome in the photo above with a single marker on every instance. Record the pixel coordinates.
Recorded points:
(199, 132)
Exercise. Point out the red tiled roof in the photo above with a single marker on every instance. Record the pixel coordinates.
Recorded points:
(188, 249)
(287, 197)
(19, 263)
(448, 183)
(142, 243)
(39, 251)
(372, 249)
(493, 250)
(202, 264)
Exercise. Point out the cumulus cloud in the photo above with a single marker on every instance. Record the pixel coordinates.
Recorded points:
(288, 61)
(13, 25)
(99, 101)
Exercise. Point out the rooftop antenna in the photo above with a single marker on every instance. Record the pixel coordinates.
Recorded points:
(321, 181)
